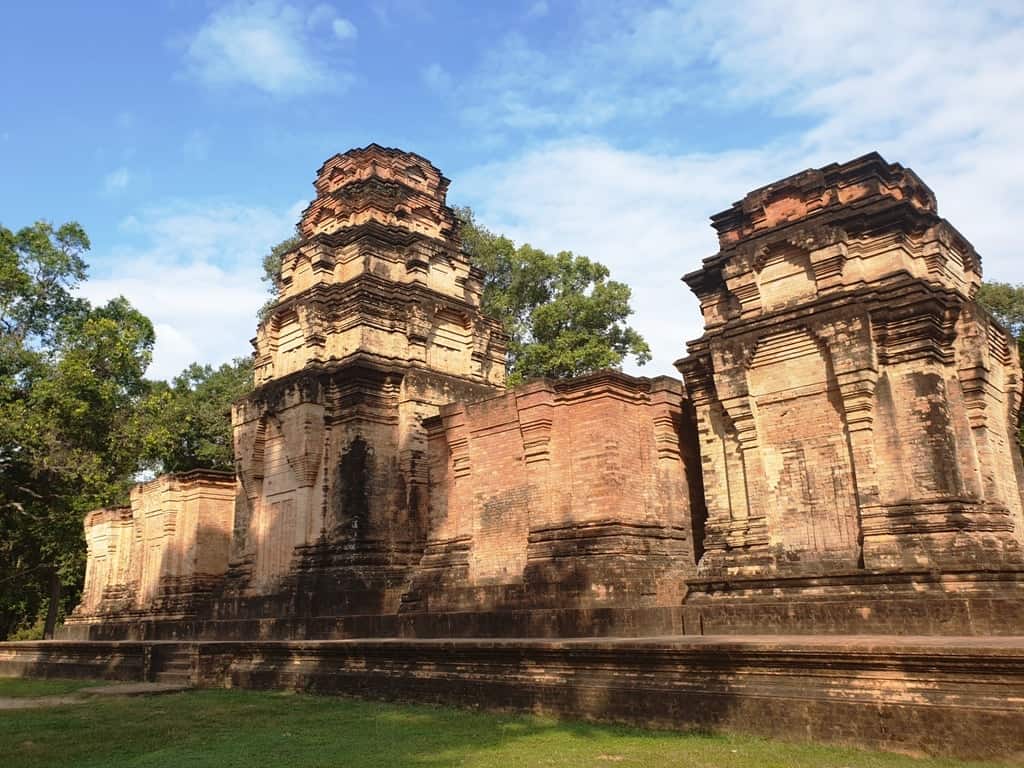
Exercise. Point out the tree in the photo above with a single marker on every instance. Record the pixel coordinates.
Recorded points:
(563, 316)
(1006, 303)
(70, 375)
(78, 421)
(187, 424)
(272, 269)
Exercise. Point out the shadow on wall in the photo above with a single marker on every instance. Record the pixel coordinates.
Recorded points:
(768, 691)
(74, 660)
(869, 694)
(689, 449)
(169, 581)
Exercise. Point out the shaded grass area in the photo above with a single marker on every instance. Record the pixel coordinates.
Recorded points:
(20, 688)
(250, 729)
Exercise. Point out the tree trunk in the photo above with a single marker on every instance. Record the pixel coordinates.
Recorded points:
(51, 611)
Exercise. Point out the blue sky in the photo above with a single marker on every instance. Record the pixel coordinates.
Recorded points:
(185, 136)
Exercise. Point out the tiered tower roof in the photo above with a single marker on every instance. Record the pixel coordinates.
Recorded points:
(379, 270)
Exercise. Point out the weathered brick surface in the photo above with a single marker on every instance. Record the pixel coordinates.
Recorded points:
(857, 410)
(163, 555)
(377, 325)
(559, 495)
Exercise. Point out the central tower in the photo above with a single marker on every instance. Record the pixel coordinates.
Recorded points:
(376, 325)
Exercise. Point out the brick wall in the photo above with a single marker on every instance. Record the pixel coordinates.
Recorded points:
(162, 553)
(560, 495)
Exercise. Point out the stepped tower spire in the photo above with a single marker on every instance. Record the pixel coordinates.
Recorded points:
(376, 325)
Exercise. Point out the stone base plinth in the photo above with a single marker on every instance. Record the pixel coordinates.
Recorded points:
(533, 623)
(863, 602)
(962, 697)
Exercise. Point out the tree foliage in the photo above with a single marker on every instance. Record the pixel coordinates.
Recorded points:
(187, 424)
(78, 420)
(1006, 303)
(70, 376)
(272, 269)
(564, 317)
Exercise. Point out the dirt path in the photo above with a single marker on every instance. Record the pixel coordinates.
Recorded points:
(85, 694)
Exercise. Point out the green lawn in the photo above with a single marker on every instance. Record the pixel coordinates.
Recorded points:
(249, 729)
(19, 688)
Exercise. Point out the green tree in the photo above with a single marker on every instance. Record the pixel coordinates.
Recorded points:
(187, 424)
(1006, 303)
(70, 376)
(563, 316)
(272, 269)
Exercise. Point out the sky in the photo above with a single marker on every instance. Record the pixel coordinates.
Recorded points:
(185, 136)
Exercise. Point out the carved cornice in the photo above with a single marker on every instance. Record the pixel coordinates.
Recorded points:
(815, 191)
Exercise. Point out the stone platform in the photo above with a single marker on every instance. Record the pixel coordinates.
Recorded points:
(961, 697)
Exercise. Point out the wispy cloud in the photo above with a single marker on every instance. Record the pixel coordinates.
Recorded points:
(538, 10)
(642, 215)
(640, 61)
(598, 79)
(277, 48)
(194, 270)
(437, 78)
(117, 181)
(344, 29)
(938, 86)
(390, 13)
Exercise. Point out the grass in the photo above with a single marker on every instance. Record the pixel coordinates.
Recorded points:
(251, 729)
(21, 688)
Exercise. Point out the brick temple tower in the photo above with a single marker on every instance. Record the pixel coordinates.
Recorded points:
(376, 325)
(857, 414)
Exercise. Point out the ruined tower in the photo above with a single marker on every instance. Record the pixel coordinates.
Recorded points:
(857, 415)
(376, 325)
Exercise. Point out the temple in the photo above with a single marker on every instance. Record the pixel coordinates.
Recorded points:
(857, 414)
(389, 484)
(839, 463)
(840, 456)
(377, 325)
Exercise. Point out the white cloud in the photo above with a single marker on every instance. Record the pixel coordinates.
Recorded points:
(538, 10)
(643, 216)
(321, 15)
(937, 86)
(117, 181)
(195, 272)
(201, 312)
(437, 78)
(264, 44)
(344, 29)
